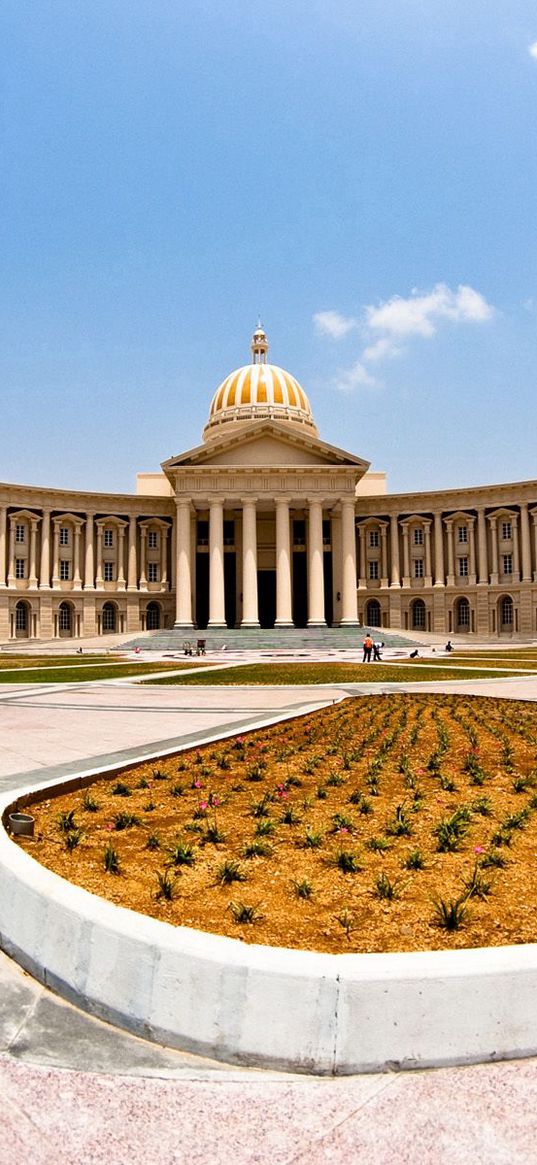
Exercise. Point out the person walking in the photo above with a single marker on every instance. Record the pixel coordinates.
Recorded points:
(368, 647)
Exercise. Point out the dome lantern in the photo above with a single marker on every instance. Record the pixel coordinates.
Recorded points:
(259, 345)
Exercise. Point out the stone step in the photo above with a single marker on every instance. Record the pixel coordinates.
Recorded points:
(290, 639)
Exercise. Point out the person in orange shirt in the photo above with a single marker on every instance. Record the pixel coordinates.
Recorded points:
(368, 647)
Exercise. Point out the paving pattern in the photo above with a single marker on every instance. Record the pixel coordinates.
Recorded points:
(73, 1089)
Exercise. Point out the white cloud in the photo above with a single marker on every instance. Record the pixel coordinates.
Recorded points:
(383, 349)
(532, 49)
(331, 323)
(350, 379)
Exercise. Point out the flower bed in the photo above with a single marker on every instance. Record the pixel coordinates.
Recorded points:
(379, 824)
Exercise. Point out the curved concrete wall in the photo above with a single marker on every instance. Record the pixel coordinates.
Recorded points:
(296, 1010)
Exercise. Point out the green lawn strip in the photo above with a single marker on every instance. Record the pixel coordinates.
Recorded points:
(25, 662)
(524, 665)
(65, 675)
(304, 673)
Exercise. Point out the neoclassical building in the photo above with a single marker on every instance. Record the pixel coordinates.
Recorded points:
(264, 524)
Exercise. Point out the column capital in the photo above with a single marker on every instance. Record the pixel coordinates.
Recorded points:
(285, 500)
(216, 499)
(252, 501)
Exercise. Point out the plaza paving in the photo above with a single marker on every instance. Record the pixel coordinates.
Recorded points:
(73, 1089)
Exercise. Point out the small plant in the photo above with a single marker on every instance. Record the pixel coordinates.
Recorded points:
(265, 827)
(399, 825)
(256, 772)
(73, 838)
(341, 823)
(153, 841)
(447, 784)
(476, 885)
(347, 862)
(177, 790)
(158, 775)
(450, 913)
(213, 834)
(149, 807)
(414, 860)
(261, 808)
(257, 849)
(165, 886)
(289, 817)
(365, 807)
(451, 831)
(66, 822)
(303, 888)
(143, 783)
(90, 804)
(228, 872)
(243, 913)
(346, 920)
(181, 766)
(120, 789)
(516, 820)
(493, 860)
(321, 793)
(312, 839)
(385, 889)
(501, 837)
(111, 860)
(182, 854)
(334, 780)
(125, 820)
(521, 784)
(378, 845)
(356, 797)
(483, 806)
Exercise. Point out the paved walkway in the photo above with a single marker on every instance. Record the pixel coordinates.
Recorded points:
(73, 1089)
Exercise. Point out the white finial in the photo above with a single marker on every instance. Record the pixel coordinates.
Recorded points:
(259, 345)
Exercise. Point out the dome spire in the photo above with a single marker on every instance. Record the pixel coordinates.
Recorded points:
(259, 345)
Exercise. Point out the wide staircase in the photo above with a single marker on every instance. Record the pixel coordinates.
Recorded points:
(280, 639)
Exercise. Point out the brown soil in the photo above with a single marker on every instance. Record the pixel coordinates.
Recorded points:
(431, 756)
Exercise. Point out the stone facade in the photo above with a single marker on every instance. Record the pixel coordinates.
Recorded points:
(265, 524)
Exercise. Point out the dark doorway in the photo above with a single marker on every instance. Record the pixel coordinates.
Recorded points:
(230, 584)
(300, 589)
(328, 588)
(266, 597)
(202, 590)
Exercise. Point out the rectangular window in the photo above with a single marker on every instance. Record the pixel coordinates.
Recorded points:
(152, 543)
(374, 538)
(20, 568)
(108, 537)
(463, 533)
(152, 572)
(418, 567)
(373, 569)
(20, 533)
(507, 563)
(463, 567)
(64, 535)
(507, 532)
(65, 569)
(418, 536)
(108, 572)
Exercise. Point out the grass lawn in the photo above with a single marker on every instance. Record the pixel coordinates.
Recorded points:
(9, 662)
(329, 673)
(89, 674)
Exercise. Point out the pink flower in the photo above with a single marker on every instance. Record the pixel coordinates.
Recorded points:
(109, 825)
(198, 784)
(203, 804)
(479, 849)
(214, 801)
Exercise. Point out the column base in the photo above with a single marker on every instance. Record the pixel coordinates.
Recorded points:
(316, 623)
(249, 623)
(349, 623)
(187, 628)
(217, 626)
(284, 623)
(439, 584)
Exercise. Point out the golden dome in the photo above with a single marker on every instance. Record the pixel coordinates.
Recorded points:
(259, 391)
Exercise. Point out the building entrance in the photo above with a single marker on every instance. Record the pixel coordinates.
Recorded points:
(266, 597)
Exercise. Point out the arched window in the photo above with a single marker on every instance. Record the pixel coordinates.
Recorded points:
(109, 618)
(21, 620)
(418, 615)
(373, 614)
(506, 612)
(152, 617)
(463, 614)
(65, 619)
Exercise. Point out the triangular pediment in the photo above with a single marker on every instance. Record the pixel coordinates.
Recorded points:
(266, 444)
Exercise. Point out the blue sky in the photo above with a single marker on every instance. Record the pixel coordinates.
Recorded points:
(362, 175)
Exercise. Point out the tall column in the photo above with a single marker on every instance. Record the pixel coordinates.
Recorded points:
(394, 547)
(349, 602)
(516, 550)
(183, 570)
(56, 557)
(250, 613)
(164, 558)
(439, 571)
(494, 540)
(3, 532)
(99, 581)
(534, 516)
(121, 558)
(11, 560)
(217, 602)
(143, 558)
(77, 581)
(32, 577)
(89, 564)
(132, 565)
(316, 617)
(451, 553)
(284, 608)
(362, 580)
(406, 556)
(383, 556)
(482, 563)
(526, 543)
(428, 568)
(471, 530)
